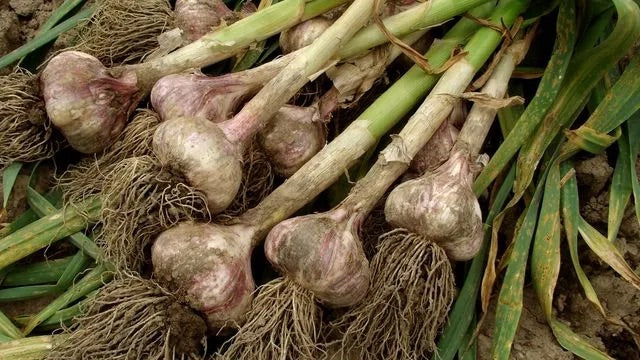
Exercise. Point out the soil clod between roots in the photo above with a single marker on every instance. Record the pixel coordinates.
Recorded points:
(283, 323)
(25, 132)
(412, 289)
(133, 318)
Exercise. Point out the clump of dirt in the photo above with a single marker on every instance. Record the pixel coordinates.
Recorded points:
(10, 37)
(534, 339)
(21, 19)
(593, 175)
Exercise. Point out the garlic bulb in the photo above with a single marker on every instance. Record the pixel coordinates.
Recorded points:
(322, 253)
(292, 137)
(210, 265)
(198, 17)
(197, 95)
(198, 150)
(88, 105)
(441, 206)
(303, 34)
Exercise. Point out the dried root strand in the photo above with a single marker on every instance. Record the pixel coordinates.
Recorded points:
(412, 290)
(283, 324)
(25, 132)
(86, 178)
(257, 183)
(132, 318)
(124, 31)
(139, 200)
(373, 227)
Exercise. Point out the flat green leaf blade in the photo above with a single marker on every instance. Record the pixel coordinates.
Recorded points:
(621, 187)
(607, 252)
(9, 176)
(509, 306)
(575, 343)
(543, 100)
(545, 257)
(585, 72)
(571, 217)
(633, 125)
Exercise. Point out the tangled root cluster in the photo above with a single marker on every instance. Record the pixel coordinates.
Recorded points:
(412, 289)
(257, 183)
(284, 323)
(87, 177)
(140, 199)
(133, 318)
(124, 31)
(25, 132)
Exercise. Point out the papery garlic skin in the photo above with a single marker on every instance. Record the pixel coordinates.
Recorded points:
(210, 266)
(198, 150)
(440, 206)
(292, 137)
(197, 95)
(322, 253)
(88, 105)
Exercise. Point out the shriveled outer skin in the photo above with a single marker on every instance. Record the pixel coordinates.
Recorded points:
(437, 150)
(198, 95)
(292, 137)
(322, 253)
(441, 207)
(210, 265)
(89, 106)
(303, 34)
(198, 17)
(198, 150)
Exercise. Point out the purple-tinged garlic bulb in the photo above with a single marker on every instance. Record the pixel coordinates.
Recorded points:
(292, 137)
(441, 206)
(198, 150)
(437, 150)
(211, 266)
(198, 17)
(197, 95)
(303, 34)
(88, 105)
(322, 253)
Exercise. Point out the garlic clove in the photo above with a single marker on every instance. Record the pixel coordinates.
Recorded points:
(198, 95)
(322, 253)
(198, 150)
(88, 105)
(292, 137)
(440, 206)
(210, 265)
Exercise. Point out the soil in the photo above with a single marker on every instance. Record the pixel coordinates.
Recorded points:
(20, 20)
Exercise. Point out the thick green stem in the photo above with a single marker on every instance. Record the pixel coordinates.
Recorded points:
(90, 282)
(35, 274)
(49, 229)
(43, 207)
(224, 43)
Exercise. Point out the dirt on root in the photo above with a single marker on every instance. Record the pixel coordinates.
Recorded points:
(20, 20)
